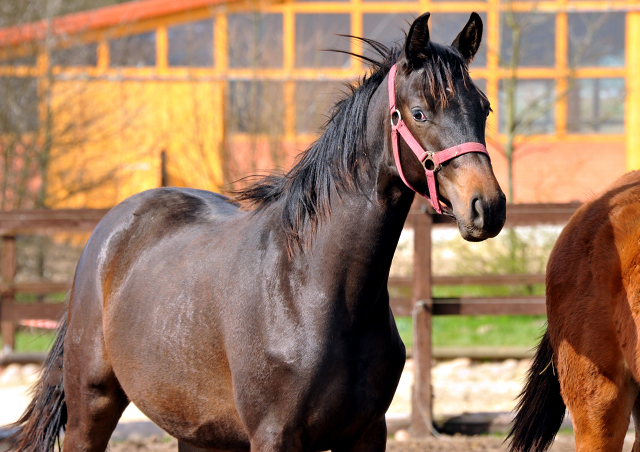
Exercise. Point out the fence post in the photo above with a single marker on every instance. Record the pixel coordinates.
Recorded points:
(421, 412)
(8, 273)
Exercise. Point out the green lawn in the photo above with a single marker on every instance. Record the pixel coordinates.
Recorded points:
(473, 331)
(487, 291)
(448, 331)
(30, 341)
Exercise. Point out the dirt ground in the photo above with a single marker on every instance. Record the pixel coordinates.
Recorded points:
(563, 443)
(460, 386)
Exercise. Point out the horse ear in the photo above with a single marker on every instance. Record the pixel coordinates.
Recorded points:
(417, 41)
(468, 41)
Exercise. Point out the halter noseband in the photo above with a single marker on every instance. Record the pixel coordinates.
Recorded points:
(431, 161)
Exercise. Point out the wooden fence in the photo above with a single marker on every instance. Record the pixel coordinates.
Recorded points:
(421, 305)
(36, 222)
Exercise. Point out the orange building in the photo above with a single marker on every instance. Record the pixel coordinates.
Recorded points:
(203, 92)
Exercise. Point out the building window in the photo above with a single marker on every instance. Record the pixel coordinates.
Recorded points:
(466, 0)
(481, 84)
(537, 40)
(596, 106)
(20, 105)
(317, 36)
(255, 107)
(445, 28)
(133, 51)
(79, 55)
(388, 29)
(191, 44)
(596, 39)
(314, 101)
(29, 60)
(534, 107)
(255, 40)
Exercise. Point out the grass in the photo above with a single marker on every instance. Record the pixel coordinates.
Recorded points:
(55, 297)
(448, 331)
(487, 291)
(474, 331)
(34, 341)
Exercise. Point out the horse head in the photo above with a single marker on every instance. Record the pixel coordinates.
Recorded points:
(438, 118)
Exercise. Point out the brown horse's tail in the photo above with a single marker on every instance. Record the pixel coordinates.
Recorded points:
(540, 410)
(39, 427)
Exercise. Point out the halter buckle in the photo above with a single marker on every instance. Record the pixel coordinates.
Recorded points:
(429, 163)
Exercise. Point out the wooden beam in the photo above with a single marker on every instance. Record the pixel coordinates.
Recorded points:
(48, 311)
(517, 215)
(516, 305)
(488, 280)
(8, 273)
(37, 288)
(401, 306)
(522, 305)
(484, 280)
(46, 221)
(421, 412)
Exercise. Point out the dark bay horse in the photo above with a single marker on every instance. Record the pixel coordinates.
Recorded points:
(589, 357)
(268, 327)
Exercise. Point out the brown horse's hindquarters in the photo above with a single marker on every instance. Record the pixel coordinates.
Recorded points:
(599, 399)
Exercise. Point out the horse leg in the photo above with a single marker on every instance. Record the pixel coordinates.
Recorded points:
(374, 439)
(185, 447)
(636, 421)
(269, 440)
(600, 404)
(95, 401)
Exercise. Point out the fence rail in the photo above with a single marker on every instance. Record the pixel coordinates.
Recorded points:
(41, 222)
(421, 305)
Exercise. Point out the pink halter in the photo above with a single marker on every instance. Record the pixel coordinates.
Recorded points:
(431, 161)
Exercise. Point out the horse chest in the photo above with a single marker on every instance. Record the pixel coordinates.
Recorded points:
(331, 387)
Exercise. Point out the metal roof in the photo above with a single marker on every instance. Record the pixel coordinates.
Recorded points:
(99, 18)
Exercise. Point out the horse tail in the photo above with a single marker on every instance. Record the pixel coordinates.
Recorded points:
(540, 408)
(39, 427)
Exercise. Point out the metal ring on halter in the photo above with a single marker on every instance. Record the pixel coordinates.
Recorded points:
(394, 113)
(429, 159)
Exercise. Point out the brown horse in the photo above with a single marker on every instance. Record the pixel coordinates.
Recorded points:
(589, 357)
(268, 328)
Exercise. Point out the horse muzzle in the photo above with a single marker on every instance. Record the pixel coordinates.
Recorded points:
(474, 198)
(485, 218)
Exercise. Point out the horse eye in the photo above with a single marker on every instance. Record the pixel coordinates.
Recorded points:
(418, 115)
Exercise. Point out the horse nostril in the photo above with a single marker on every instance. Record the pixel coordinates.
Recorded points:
(476, 211)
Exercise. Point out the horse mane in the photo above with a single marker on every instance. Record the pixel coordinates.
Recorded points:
(339, 158)
(442, 67)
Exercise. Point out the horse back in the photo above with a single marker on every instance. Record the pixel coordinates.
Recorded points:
(143, 220)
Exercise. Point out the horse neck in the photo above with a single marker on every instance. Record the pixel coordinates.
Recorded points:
(363, 230)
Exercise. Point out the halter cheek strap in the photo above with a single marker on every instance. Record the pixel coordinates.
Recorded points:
(431, 161)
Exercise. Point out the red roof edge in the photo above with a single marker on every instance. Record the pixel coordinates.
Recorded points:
(99, 18)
